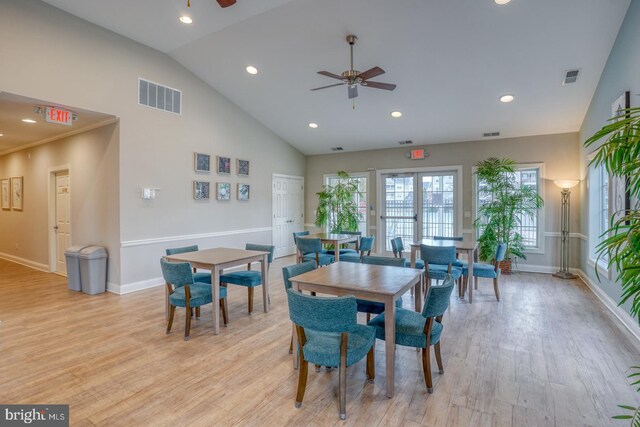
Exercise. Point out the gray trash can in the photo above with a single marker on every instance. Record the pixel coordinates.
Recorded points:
(73, 267)
(93, 269)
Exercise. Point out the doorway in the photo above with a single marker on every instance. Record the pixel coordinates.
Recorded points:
(288, 212)
(59, 218)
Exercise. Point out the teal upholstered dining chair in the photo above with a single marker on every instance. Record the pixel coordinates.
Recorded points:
(345, 249)
(297, 234)
(489, 271)
(438, 262)
(292, 271)
(185, 292)
(197, 277)
(329, 335)
(312, 251)
(248, 278)
(375, 307)
(422, 330)
(365, 246)
(457, 262)
(397, 247)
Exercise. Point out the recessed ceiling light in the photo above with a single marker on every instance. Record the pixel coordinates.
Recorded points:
(502, 2)
(29, 121)
(185, 19)
(252, 70)
(506, 98)
(1, 134)
(313, 125)
(396, 114)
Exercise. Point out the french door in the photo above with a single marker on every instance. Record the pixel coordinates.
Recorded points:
(418, 206)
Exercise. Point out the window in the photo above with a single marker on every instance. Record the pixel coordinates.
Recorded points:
(361, 199)
(438, 196)
(599, 213)
(528, 226)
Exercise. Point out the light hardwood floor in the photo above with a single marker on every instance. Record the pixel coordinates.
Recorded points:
(548, 354)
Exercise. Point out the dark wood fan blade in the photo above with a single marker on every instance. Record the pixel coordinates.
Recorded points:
(369, 74)
(226, 3)
(378, 85)
(324, 87)
(328, 74)
(353, 91)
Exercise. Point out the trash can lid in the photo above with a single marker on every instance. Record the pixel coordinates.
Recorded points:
(74, 249)
(93, 252)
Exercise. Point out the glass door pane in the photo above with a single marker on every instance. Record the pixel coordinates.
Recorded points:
(438, 213)
(399, 208)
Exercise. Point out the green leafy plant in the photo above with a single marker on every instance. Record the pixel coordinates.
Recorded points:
(508, 203)
(634, 412)
(337, 208)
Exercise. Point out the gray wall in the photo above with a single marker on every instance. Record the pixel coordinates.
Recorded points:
(621, 73)
(559, 153)
(97, 70)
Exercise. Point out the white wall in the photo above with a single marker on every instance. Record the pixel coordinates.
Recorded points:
(48, 54)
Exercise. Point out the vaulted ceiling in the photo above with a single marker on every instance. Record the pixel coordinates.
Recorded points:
(451, 60)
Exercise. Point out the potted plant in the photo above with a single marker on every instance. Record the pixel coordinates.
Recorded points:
(505, 202)
(337, 208)
(620, 155)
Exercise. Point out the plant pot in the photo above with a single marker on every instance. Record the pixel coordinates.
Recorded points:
(505, 266)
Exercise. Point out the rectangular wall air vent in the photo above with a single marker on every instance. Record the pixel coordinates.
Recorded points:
(570, 76)
(407, 142)
(490, 134)
(160, 97)
(337, 149)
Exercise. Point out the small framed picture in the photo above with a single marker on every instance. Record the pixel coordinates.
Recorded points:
(224, 165)
(6, 194)
(242, 167)
(224, 191)
(202, 162)
(16, 193)
(201, 190)
(244, 191)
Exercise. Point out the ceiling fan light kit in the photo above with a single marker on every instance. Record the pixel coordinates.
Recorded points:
(354, 78)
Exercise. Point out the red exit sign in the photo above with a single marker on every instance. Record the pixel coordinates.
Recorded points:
(58, 116)
(417, 154)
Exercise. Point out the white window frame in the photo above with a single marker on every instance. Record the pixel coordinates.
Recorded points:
(367, 178)
(593, 234)
(540, 249)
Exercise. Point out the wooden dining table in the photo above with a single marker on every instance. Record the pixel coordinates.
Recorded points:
(380, 283)
(466, 246)
(333, 239)
(216, 260)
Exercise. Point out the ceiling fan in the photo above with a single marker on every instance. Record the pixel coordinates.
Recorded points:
(222, 3)
(352, 78)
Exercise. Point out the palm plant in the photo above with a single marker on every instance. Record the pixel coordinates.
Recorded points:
(337, 208)
(508, 203)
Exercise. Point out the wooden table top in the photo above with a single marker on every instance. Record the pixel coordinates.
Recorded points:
(466, 244)
(373, 279)
(330, 236)
(216, 255)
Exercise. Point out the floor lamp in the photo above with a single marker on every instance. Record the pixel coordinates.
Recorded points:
(565, 185)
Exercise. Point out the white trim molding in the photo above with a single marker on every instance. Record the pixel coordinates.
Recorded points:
(156, 240)
(571, 235)
(134, 287)
(26, 262)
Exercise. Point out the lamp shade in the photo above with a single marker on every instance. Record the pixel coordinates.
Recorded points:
(566, 183)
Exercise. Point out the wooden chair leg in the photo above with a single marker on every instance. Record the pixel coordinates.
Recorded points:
(302, 382)
(342, 391)
(368, 316)
(250, 298)
(426, 367)
(223, 307)
(291, 344)
(172, 311)
(476, 283)
(496, 289)
(436, 350)
(371, 364)
(197, 312)
(187, 323)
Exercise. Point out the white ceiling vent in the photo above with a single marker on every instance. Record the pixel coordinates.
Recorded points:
(337, 149)
(161, 97)
(490, 134)
(570, 76)
(407, 142)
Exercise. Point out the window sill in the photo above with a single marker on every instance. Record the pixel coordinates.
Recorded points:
(602, 268)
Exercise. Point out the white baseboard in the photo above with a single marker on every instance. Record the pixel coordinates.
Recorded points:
(134, 287)
(26, 262)
(532, 268)
(625, 318)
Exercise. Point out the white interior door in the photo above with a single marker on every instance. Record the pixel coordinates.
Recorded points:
(63, 220)
(288, 212)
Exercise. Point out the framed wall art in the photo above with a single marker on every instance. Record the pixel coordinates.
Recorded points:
(202, 162)
(223, 191)
(244, 191)
(242, 167)
(224, 165)
(16, 193)
(5, 194)
(201, 190)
